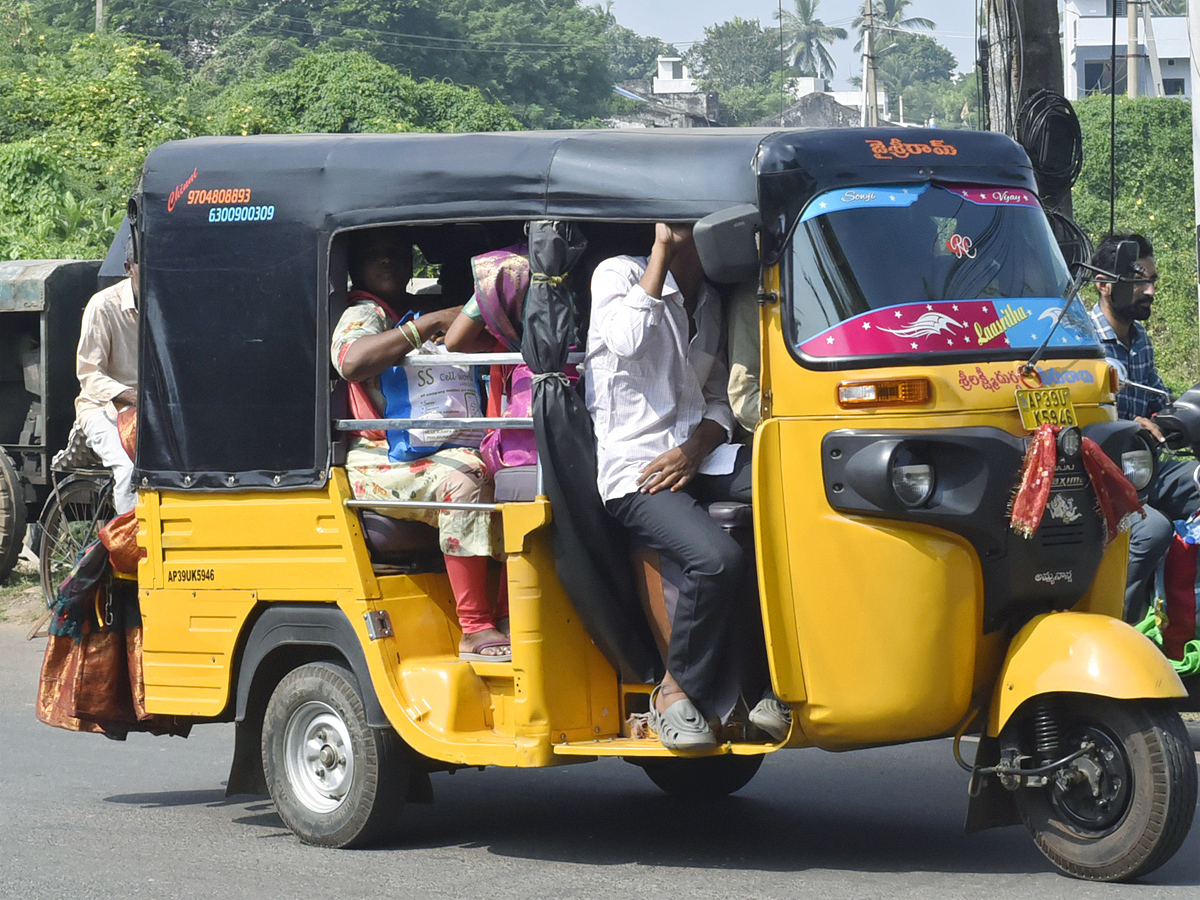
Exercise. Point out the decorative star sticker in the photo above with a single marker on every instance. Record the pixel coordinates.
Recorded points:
(829, 340)
(891, 196)
(985, 309)
(914, 345)
(897, 314)
(1033, 337)
(954, 307)
(929, 306)
(823, 204)
(1064, 340)
(949, 343)
(866, 326)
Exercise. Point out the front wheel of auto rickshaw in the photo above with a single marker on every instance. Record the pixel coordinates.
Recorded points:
(73, 517)
(701, 777)
(335, 780)
(12, 515)
(1123, 808)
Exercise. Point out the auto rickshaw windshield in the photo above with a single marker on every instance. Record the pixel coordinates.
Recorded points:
(863, 249)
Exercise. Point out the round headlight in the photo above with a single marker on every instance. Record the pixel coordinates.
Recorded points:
(1138, 466)
(1070, 441)
(913, 480)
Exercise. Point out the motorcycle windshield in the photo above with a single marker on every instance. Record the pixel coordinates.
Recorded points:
(909, 270)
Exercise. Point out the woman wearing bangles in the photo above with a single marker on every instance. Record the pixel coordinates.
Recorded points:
(370, 342)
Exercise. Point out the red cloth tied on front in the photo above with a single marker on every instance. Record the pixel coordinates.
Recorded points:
(1037, 475)
(1116, 497)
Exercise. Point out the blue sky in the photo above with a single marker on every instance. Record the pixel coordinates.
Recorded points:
(681, 22)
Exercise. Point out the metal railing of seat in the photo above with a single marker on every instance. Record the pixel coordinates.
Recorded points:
(472, 423)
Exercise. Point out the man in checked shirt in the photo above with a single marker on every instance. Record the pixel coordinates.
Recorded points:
(1173, 493)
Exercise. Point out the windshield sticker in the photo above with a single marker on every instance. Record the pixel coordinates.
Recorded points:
(992, 196)
(947, 326)
(969, 379)
(859, 197)
(897, 149)
(960, 246)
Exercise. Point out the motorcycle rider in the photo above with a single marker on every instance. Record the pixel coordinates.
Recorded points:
(1172, 494)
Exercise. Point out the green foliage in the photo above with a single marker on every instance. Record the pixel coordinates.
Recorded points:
(545, 59)
(1154, 196)
(944, 102)
(632, 57)
(342, 92)
(920, 56)
(77, 126)
(737, 53)
(548, 60)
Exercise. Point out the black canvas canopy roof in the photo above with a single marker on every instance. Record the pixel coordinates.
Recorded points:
(234, 236)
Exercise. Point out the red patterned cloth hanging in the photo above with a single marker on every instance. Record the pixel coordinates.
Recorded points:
(1115, 496)
(1037, 475)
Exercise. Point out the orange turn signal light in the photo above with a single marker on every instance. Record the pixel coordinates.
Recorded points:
(884, 392)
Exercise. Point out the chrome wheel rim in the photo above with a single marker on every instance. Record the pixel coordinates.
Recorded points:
(318, 756)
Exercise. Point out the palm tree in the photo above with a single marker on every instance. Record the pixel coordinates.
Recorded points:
(806, 39)
(889, 14)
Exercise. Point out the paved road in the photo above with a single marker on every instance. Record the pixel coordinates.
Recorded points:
(82, 817)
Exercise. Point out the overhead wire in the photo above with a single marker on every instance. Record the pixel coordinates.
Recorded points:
(413, 41)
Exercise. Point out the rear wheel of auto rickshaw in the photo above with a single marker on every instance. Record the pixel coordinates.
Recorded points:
(12, 516)
(1123, 808)
(73, 518)
(335, 780)
(701, 777)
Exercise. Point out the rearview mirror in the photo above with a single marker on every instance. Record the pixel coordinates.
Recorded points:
(1127, 255)
(727, 242)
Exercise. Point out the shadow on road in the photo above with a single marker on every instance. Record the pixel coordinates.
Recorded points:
(792, 818)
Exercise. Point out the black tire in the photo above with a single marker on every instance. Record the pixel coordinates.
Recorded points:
(12, 516)
(1146, 776)
(701, 777)
(335, 781)
(72, 520)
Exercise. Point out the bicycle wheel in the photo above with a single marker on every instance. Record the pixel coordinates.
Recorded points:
(72, 520)
(12, 515)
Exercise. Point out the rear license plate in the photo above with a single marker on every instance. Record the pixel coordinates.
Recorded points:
(1045, 406)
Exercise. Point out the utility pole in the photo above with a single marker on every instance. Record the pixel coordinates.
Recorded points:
(1003, 67)
(99, 16)
(1152, 52)
(1131, 48)
(870, 108)
(1023, 57)
(1193, 23)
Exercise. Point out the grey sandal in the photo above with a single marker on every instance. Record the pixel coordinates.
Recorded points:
(681, 727)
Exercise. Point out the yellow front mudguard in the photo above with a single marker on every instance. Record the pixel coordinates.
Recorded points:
(1081, 653)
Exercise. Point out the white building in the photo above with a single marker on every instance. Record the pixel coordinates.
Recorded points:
(673, 77)
(802, 87)
(1087, 50)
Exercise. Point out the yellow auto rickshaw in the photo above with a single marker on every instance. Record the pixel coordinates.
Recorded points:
(917, 331)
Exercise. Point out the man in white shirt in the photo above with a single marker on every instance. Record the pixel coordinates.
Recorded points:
(656, 386)
(106, 366)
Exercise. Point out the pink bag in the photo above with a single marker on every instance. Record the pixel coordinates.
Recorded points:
(505, 448)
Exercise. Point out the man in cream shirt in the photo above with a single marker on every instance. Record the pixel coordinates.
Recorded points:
(106, 366)
(656, 383)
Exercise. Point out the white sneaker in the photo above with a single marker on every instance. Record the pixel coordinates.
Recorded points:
(772, 716)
